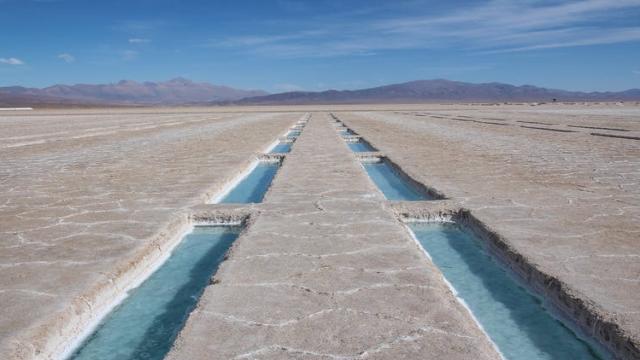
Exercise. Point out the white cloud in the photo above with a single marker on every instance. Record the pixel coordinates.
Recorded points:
(139, 41)
(11, 61)
(66, 57)
(488, 26)
(253, 40)
(595, 38)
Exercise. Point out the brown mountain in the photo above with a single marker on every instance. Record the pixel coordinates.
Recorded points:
(177, 91)
(183, 92)
(438, 91)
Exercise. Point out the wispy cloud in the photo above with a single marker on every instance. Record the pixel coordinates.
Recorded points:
(257, 40)
(493, 26)
(66, 57)
(139, 41)
(524, 25)
(11, 61)
(637, 72)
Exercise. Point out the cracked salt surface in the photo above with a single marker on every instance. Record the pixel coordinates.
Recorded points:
(515, 320)
(78, 214)
(324, 272)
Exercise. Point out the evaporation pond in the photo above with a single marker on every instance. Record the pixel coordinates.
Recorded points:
(252, 188)
(281, 148)
(146, 323)
(392, 185)
(514, 319)
(293, 134)
(360, 146)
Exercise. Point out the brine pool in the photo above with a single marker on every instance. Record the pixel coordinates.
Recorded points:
(516, 321)
(392, 185)
(360, 146)
(252, 188)
(281, 148)
(147, 322)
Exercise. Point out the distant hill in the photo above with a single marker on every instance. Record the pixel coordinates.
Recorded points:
(438, 90)
(177, 91)
(181, 91)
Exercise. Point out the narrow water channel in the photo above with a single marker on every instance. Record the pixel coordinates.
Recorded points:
(515, 320)
(281, 148)
(360, 146)
(346, 132)
(252, 188)
(392, 184)
(146, 323)
(293, 134)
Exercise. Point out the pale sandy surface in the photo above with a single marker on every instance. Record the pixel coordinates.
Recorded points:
(568, 202)
(83, 192)
(324, 272)
(80, 195)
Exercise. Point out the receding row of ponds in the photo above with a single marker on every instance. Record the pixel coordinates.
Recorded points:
(394, 183)
(519, 322)
(251, 186)
(146, 324)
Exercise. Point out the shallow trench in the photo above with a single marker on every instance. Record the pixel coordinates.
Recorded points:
(520, 321)
(516, 320)
(146, 321)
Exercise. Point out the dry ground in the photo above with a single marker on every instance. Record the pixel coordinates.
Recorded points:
(88, 197)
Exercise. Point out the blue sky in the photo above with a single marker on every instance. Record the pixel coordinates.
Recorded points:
(280, 45)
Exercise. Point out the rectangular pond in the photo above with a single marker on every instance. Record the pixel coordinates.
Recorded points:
(515, 320)
(281, 148)
(394, 185)
(346, 132)
(293, 134)
(251, 188)
(360, 146)
(147, 322)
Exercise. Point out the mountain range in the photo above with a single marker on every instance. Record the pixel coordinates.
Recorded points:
(438, 90)
(181, 91)
(177, 91)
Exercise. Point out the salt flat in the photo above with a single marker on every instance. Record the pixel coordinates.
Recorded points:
(85, 196)
(325, 272)
(89, 197)
(566, 200)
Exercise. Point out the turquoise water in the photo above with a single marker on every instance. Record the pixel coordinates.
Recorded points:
(360, 146)
(281, 148)
(253, 187)
(293, 134)
(346, 132)
(391, 184)
(516, 321)
(146, 323)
